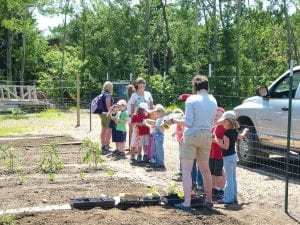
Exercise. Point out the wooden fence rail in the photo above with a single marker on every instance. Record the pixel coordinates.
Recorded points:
(18, 92)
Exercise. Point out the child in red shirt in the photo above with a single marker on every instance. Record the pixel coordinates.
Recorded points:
(216, 159)
(140, 134)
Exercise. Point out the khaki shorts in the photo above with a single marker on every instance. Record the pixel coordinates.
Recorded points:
(104, 120)
(196, 146)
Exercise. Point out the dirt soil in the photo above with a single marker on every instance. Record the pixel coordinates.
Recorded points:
(261, 196)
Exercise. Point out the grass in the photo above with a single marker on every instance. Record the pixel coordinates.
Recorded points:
(13, 131)
(50, 114)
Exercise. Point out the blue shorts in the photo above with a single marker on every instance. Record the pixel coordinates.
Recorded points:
(120, 136)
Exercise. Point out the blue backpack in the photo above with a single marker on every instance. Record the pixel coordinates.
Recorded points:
(97, 104)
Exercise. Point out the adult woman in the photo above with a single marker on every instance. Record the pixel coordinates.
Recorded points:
(140, 95)
(105, 135)
(200, 110)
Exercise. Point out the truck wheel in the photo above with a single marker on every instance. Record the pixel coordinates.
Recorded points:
(246, 148)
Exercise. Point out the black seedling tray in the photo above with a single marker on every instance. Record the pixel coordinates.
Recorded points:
(89, 203)
(138, 203)
(196, 201)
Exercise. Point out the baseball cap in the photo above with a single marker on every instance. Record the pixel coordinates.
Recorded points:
(158, 107)
(121, 102)
(228, 115)
(144, 105)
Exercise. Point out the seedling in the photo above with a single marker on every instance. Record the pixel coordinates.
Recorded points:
(22, 179)
(82, 176)
(92, 154)
(110, 174)
(152, 192)
(10, 157)
(180, 193)
(50, 162)
(7, 219)
(173, 188)
(51, 177)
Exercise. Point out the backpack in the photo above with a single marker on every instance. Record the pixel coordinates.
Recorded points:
(97, 104)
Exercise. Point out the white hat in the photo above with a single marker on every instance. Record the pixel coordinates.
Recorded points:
(143, 105)
(121, 102)
(158, 107)
(228, 115)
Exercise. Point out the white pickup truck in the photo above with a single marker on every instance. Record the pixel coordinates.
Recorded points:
(266, 116)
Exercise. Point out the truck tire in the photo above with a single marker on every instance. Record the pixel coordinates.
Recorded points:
(247, 148)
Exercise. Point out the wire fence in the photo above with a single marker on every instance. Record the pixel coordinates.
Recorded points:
(270, 160)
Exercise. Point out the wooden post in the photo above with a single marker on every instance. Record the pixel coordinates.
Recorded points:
(78, 99)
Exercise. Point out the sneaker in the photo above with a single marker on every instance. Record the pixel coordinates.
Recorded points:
(116, 152)
(208, 204)
(122, 154)
(158, 166)
(152, 161)
(145, 158)
(139, 158)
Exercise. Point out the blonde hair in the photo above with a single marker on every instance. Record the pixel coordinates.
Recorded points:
(234, 123)
(177, 110)
(108, 87)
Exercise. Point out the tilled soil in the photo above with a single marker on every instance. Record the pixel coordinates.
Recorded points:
(261, 196)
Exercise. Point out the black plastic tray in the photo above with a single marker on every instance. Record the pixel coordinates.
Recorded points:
(89, 203)
(196, 201)
(138, 203)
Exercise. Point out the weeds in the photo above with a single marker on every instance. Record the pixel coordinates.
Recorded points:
(7, 219)
(92, 154)
(50, 162)
(22, 179)
(10, 157)
(51, 177)
(82, 176)
(110, 173)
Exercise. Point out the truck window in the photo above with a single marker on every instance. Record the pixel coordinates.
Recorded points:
(281, 89)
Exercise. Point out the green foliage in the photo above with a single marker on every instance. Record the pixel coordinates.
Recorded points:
(92, 154)
(51, 177)
(82, 176)
(50, 114)
(13, 131)
(110, 173)
(10, 158)
(50, 162)
(22, 179)
(7, 219)
(152, 192)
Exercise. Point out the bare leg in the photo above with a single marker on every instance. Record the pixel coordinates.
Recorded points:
(207, 180)
(187, 166)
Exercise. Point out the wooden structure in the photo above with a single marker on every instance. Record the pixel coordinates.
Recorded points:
(20, 96)
(18, 93)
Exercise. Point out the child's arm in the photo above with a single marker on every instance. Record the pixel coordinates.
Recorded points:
(223, 143)
(243, 134)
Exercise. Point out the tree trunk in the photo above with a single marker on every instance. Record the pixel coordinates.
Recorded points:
(23, 58)
(215, 35)
(238, 2)
(167, 58)
(196, 38)
(149, 43)
(8, 56)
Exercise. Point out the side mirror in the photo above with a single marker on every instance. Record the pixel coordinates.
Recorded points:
(262, 91)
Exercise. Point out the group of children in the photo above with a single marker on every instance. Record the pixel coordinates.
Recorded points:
(147, 143)
(147, 133)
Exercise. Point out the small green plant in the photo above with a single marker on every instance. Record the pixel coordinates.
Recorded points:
(180, 193)
(7, 219)
(173, 188)
(51, 177)
(50, 162)
(10, 157)
(16, 113)
(82, 176)
(92, 154)
(152, 192)
(110, 173)
(22, 179)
